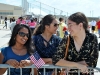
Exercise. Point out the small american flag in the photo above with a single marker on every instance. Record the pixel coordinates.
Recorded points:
(37, 60)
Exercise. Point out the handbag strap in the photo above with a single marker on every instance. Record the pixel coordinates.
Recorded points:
(67, 47)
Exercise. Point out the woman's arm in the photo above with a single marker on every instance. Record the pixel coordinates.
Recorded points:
(66, 63)
(47, 60)
(2, 70)
(82, 62)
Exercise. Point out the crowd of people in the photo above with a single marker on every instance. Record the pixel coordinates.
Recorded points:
(49, 39)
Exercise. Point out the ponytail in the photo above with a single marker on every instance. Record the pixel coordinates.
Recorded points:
(38, 30)
(46, 21)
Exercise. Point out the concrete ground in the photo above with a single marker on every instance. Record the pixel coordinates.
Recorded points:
(4, 35)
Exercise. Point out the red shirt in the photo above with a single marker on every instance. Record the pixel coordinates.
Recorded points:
(65, 28)
(98, 24)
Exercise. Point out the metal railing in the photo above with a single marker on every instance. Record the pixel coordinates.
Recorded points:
(46, 8)
(30, 6)
(49, 67)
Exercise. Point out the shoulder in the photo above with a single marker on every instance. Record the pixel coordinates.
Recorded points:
(34, 37)
(65, 38)
(4, 49)
(92, 36)
(55, 36)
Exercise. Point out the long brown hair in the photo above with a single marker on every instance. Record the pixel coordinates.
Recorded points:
(47, 20)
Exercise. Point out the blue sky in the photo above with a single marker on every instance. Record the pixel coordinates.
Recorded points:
(88, 7)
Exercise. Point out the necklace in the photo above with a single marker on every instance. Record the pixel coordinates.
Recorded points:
(19, 51)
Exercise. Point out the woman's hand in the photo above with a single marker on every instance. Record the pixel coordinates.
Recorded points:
(13, 62)
(83, 68)
(24, 63)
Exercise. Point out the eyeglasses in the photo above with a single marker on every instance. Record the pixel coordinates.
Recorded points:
(55, 25)
(22, 34)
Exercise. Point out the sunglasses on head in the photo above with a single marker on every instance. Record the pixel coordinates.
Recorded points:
(22, 34)
(55, 25)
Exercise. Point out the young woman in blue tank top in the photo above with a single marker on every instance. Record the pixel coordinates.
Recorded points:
(19, 49)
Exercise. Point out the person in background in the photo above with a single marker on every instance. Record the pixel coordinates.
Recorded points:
(13, 19)
(98, 26)
(18, 50)
(62, 27)
(45, 41)
(27, 20)
(36, 20)
(83, 46)
(5, 22)
(10, 20)
(18, 20)
(12, 25)
(32, 25)
(93, 24)
(65, 30)
(21, 20)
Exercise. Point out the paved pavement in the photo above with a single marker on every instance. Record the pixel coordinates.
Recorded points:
(5, 36)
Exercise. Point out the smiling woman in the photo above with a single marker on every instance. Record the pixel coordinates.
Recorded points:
(82, 49)
(19, 49)
(46, 42)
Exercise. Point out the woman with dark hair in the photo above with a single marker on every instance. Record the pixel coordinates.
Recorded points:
(83, 46)
(45, 41)
(19, 48)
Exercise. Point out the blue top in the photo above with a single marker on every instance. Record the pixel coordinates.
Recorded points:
(9, 54)
(50, 49)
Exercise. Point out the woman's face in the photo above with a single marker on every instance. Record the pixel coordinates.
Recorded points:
(22, 36)
(53, 26)
(73, 28)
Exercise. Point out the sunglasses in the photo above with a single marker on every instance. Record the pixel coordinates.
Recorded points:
(55, 25)
(22, 34)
